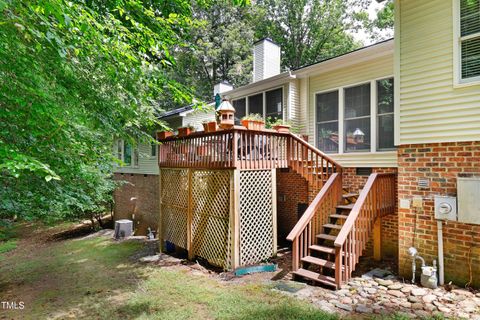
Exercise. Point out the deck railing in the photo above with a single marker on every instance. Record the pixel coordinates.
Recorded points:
(239, 148)
(310, 224)
(377, 199)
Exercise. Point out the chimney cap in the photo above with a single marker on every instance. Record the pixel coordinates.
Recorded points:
(265, 39)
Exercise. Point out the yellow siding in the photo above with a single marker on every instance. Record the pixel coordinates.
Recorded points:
(196, 118)
(356, 74)
(431, 109)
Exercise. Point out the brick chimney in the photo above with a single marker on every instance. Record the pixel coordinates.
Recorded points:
(266, 59)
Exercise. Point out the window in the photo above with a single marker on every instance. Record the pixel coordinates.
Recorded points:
(385, 114)
(127, 154)
(274, 103)
(327, 121)
(154, 146)
(255, 104)
(240, 109)
(357, 118)
(470, 39)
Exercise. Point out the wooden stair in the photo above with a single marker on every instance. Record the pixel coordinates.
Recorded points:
(319, 265)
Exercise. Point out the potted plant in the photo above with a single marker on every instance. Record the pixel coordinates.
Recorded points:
(212, 126)
(253, 121)
(281, 126)
(162, 135)
(205, 125)
(185, 131)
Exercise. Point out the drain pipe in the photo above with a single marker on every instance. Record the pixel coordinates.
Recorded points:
(440, 251)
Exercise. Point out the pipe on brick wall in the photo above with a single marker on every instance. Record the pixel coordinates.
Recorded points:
(440, 252)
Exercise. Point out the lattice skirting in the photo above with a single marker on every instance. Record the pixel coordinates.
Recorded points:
(211, 228)
(256, 216)
(174, 205)
(225, 217)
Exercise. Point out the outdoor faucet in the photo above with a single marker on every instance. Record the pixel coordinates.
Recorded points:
(414, 253)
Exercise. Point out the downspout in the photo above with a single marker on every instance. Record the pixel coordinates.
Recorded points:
(440, 251)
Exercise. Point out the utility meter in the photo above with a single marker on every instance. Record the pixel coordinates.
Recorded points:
(445, 208)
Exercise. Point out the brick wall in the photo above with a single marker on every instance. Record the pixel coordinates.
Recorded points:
(354, 183)
(292, 189)
(145, 189)
(439, 163)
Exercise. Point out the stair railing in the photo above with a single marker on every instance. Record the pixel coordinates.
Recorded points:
(311, 163)
(310, 224)
(377, 199)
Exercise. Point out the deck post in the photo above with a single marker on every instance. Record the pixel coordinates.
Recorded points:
(235, 217)
(160, 225)
(189, 216)
(274, 210)
(377, 239)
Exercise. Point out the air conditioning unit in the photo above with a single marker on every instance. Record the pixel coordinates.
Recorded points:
(123, 228)
(468, 193)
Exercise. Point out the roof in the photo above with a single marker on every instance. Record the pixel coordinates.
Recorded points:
(179, 111)
(344, 54)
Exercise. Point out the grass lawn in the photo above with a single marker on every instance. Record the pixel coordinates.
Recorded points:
(97, 279)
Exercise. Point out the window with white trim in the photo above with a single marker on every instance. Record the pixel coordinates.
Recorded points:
(357, 118)
(385, 118)
(367, 115)
(268, 104)
(327, 121)
(127, 154)
(470, 40)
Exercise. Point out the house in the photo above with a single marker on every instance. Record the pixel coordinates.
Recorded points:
(393, 140)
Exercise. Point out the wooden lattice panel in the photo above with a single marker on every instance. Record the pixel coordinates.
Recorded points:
(211, 229)
(256, 216)
(174, 205)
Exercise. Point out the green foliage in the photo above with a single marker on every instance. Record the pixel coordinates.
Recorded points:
(311, 30)
(253, 117)
(220, 47)
(74, 75)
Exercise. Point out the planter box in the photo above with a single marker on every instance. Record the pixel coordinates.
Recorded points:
(282, 128)
(253, 125)
(183, 132)
(212, 126)
(162, 135)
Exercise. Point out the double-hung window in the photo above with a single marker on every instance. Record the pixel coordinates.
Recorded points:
(469, 41)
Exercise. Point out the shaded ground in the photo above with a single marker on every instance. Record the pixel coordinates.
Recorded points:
(99, 278)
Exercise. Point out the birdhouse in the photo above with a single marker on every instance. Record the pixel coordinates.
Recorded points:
(227, 114)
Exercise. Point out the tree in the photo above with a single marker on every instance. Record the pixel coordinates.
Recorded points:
(220, 47)
(382, 26)
(73, 76)
(311, 30)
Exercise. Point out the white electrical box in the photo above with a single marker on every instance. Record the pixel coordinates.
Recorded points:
(445, 208)
(468, 192)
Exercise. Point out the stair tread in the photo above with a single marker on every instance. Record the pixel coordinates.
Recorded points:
(338, 216)
(350, 195)
(326, 237)
(332, 226)
(324, 249)
(319, 262)
(316, 277)
(346, 206)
